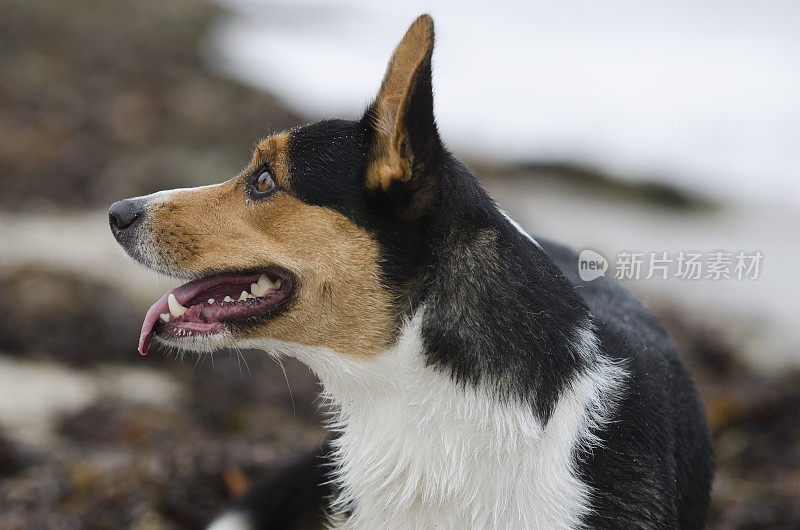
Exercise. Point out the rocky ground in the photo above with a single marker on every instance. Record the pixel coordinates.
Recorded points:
(103, 100)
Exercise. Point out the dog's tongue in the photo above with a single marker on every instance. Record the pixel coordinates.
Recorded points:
(150, 319)
(183, 295)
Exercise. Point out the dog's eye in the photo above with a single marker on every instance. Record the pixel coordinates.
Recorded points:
(263, 184)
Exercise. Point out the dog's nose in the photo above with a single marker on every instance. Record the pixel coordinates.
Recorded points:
(123, 214)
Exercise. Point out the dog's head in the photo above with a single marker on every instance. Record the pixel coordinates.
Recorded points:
(315, 242)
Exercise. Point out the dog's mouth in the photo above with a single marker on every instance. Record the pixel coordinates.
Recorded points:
(214, 304)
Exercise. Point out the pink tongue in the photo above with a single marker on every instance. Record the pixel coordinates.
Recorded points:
(184, 295)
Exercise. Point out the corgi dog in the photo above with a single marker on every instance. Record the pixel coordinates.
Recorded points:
(475, 381)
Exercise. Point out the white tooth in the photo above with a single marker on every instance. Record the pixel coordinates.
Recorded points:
(228, 299)
(211, 301)
(243, 296)
(277, 284)
(264, 282)
(175, 308)
(258, 289)
(254, 288)
(164, 317)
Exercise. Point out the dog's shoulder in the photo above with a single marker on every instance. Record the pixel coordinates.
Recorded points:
(629, 328)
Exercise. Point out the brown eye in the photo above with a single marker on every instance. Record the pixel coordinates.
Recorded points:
(263, 184)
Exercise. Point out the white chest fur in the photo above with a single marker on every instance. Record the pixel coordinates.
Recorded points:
(416, 450)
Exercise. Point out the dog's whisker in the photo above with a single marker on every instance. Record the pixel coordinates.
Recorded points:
(241, 356)
(289, 386)
(197, 361)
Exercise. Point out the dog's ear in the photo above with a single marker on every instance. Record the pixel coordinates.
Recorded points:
(405, 140)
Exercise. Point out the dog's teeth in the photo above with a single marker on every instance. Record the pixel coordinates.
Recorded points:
(264, 282)
(211, 301)
(228, 299)
(175, 308)
(243, 296)
(164, 317)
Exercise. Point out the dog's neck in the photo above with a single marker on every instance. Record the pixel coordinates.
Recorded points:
(416, 449)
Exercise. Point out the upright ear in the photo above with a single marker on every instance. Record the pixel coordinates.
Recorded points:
(405, 139)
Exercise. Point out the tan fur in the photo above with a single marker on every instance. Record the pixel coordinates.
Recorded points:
(390, 159)
(273, 151)
(339, 300)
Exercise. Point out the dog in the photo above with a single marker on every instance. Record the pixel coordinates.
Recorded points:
(476, 380)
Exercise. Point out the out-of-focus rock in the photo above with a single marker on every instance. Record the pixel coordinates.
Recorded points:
(64, 317)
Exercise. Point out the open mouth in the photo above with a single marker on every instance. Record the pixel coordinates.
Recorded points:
(212, 305)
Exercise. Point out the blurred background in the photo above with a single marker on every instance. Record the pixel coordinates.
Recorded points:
(616, 126)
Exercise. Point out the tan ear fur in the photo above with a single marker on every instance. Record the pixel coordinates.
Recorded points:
(391, 157)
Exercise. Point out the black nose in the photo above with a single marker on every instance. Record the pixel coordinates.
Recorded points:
(123, 214)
